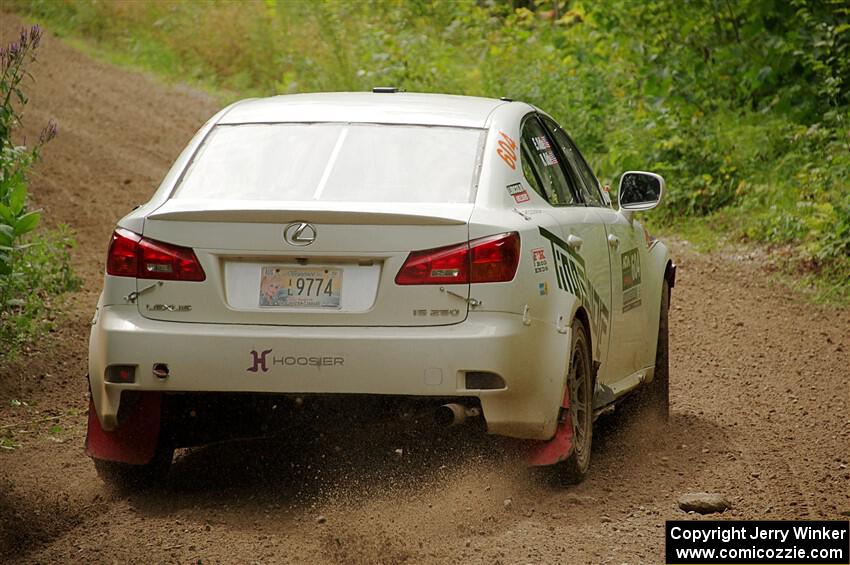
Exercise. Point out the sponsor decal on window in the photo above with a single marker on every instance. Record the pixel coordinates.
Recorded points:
(541, 143)
(548, 158)
(544, 150)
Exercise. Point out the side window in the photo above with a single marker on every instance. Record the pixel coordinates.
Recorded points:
(527, 159)
(540, 165)
(587, 180)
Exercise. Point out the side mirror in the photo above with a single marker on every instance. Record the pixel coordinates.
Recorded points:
(640, 190)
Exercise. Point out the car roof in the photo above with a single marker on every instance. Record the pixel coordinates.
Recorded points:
(366, 107)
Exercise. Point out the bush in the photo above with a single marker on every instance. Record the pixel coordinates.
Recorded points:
(34, 270)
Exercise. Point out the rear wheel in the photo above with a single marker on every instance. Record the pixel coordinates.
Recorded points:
(654, 399)
(574, 468)
(126, 477)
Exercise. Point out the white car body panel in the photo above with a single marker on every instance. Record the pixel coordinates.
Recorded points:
(420, 109)
(415, 361)
(392, 339)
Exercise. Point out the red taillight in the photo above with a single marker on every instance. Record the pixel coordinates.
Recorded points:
(131, 255)
(122, 259)
(445, 265)
(494, 258)
(488, 259)
(169, 262)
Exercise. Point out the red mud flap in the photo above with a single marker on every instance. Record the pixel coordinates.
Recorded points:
(135, 440)
(558, 448)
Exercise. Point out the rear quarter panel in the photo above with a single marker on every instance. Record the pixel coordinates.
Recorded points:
(505, 202)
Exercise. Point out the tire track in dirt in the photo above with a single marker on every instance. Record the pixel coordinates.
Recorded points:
(760, 396)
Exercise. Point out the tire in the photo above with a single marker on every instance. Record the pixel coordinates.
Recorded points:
(124, 477)
(654, 399)
(574, 468)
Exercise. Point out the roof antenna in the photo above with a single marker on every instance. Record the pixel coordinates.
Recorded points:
(385, 90)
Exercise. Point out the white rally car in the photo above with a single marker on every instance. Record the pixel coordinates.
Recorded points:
(449, 250)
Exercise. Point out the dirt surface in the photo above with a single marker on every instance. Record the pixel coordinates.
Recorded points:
(760, 408)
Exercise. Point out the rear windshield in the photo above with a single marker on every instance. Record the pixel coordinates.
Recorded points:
(335, 162)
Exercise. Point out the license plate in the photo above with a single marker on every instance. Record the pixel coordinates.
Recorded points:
(301, 288)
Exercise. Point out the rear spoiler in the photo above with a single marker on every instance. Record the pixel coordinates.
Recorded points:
(349, 213)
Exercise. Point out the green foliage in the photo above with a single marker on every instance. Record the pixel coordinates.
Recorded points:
(742, 105)
(32, 292)
(15, 219)
(33, 270)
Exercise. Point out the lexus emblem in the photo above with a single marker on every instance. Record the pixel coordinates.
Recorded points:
(299, 234)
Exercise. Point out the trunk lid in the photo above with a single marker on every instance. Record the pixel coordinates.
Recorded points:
(344, 277)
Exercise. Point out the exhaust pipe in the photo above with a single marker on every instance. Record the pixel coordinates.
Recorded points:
(454, 414)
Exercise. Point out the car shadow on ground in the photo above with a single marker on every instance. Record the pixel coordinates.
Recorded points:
(629, 451)
(303, 467)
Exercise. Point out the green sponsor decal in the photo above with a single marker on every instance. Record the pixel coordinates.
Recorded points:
(571, 275)
(630, 263)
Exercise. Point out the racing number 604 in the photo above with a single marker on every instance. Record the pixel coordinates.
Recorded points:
(507, 150)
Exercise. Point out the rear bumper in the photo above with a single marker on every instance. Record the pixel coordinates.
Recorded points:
(426, 361)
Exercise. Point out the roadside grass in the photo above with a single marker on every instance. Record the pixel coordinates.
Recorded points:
(147, 57)
(35, 294)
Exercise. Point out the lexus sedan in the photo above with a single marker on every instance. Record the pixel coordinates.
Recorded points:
(372, 248)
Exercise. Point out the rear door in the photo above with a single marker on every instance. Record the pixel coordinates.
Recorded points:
(309, 224)
(627, 248)
(581, 257)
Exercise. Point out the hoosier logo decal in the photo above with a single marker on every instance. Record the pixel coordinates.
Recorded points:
(258, 361)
